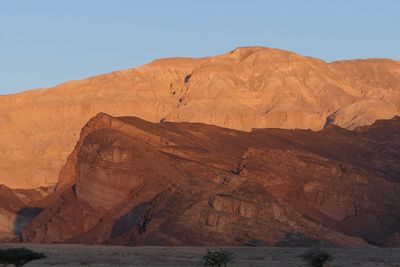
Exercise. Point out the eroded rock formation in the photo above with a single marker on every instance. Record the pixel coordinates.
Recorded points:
(249, 87)
(129, 181)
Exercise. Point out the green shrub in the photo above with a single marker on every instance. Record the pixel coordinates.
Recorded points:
(218, 258)
(316, 257)
(19, 256)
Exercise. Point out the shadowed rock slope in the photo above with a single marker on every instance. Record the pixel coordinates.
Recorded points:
(18, 208)
(249, 87)
(129, 181)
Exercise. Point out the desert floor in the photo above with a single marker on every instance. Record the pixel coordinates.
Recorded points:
(83, 255)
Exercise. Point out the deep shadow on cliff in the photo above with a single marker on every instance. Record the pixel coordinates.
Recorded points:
(132, 182)
(24, 217)
(17, 210)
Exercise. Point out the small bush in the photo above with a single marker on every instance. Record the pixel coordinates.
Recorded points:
(316, 257)
(218, 258)
(19, 256)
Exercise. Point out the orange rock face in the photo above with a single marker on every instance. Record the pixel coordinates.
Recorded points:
(129, 181)
(253, 87)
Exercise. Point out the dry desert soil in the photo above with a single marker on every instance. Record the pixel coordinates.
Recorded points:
(85, 255)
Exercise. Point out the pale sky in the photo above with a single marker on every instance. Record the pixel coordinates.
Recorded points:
(46, 42)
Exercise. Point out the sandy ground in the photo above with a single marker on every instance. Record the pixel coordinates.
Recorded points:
(82, 255)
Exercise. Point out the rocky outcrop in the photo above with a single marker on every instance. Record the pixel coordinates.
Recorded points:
(249, 87)
(17, 209)
(129, 181)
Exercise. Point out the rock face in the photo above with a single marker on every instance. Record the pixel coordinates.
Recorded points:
(250, 87)
(17, 209)
(129, 181)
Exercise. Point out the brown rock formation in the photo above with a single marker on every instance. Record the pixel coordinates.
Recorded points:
(129, 181)
(17, 209)
(252, 87)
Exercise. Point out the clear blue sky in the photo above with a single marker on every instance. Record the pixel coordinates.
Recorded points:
(46, 42)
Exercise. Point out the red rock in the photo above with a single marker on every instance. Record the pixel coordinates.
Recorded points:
(129, 181)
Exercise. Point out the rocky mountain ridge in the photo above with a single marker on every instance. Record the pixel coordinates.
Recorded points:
(249, 87)
(133, 182)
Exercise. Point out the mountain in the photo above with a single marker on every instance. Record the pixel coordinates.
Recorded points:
(133, 182)
(249, 87)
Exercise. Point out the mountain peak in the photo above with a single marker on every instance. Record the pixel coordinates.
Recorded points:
(248, 87)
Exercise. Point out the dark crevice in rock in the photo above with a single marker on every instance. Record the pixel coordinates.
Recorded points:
(331, 119)
(187, 78)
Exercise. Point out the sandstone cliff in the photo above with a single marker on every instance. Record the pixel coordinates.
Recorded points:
(249, 87)
(129, 181)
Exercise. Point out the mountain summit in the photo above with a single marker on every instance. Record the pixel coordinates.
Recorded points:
(249, 87)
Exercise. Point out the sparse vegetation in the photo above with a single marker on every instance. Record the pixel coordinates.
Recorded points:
(316, 257)
(218, 258)
(18, 256)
